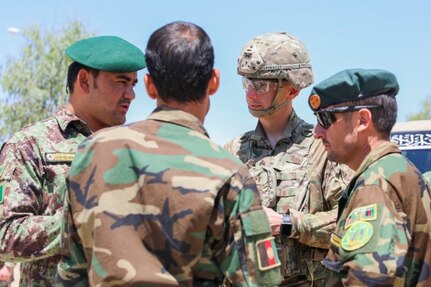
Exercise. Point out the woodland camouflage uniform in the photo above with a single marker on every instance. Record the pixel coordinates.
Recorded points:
(388, 201)
(383, 233)
(156, 203)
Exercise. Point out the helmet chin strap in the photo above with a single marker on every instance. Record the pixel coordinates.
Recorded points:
(274, 107)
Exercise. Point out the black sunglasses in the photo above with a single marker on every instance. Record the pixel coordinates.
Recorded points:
(326, 118)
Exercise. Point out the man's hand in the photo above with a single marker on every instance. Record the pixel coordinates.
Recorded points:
(6, 273)
(274, 219)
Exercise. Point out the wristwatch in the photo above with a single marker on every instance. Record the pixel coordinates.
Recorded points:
(286, 225)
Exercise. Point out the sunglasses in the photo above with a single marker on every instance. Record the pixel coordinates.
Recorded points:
(259, 86)
(326, 118)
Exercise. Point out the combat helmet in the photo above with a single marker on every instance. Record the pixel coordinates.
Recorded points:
(276, 56)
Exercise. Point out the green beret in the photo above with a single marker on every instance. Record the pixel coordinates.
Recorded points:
(107, 53)
(350, 85)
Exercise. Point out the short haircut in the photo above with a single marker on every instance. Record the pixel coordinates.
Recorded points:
(383, 117)
(72, 74)
(180, 61)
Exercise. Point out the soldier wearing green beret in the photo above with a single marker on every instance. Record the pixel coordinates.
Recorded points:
(299, 186)
(383, 229)
(157, 203)
(36, 160)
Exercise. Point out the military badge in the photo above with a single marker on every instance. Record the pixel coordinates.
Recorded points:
(315, 101)
(56, 157)
(358, 234)
(267, 256)
(364, 213)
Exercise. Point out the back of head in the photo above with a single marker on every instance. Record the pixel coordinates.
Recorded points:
(276, 56)
(180, 60)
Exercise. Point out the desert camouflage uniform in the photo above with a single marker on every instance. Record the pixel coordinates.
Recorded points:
(383, 233)
(296, 175)
(156, 203)
(34, 164)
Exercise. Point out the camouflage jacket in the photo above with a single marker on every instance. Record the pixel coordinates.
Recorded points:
(156, 203)
(296, 175)
(383, 233)
(34, 164)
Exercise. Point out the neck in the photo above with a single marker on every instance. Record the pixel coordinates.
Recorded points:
(197, 109)
(275, 124)
(363, 151)
(79, 112)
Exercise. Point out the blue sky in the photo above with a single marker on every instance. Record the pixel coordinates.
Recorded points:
(386, 34)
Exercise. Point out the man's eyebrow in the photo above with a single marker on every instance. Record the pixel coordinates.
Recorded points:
(127, 78)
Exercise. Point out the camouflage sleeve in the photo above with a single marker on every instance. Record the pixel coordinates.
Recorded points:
(248, 255)
(327, 182)
(373, 241)
(233, 145)
(25, 235)
(72, 268)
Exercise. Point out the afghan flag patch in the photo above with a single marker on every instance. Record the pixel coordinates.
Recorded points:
(267, 256)
(363, 213)
(1, 194)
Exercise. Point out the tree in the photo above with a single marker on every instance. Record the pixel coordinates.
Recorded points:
(35, 83)
(425, 113)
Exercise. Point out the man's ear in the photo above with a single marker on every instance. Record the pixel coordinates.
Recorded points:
(214, 82)
(293, 93)
(84, 80)
(365, 119)
(151, 88)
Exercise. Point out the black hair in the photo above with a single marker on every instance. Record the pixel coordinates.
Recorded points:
(385, 116)
(72, 74)
(180, 61)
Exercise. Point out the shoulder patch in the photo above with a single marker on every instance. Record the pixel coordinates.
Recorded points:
(359, 233)
(267, 255)
(363, 213)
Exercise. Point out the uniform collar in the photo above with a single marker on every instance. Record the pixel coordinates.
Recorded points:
(377, 153)
(288, 133)
(179, 117)
(67, 120)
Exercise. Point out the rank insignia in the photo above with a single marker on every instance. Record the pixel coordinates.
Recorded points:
(315, 101)
(1, 194)
(267, 256)
(55, 157)
(358, 234)
(364, 213)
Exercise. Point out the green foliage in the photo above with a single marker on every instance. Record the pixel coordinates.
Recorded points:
(35, 83)
(424, 113)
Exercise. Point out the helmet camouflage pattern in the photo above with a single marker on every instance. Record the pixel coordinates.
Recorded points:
(276, 56)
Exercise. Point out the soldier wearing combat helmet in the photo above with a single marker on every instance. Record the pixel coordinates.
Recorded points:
(299, 187)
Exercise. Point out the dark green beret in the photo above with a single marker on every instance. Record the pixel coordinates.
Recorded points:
(351, 85)
(107, 53)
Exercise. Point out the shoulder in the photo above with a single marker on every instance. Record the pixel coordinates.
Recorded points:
(36, 130)
(234, 145)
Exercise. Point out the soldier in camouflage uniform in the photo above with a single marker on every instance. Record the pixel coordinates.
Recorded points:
(383, 230)
(36, 160)
(157, 203)
(299, 187)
